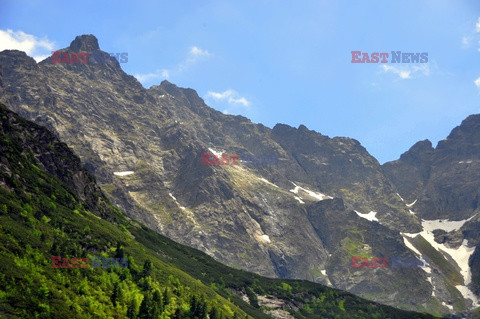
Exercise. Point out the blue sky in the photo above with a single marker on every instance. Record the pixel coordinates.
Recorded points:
(284, 61)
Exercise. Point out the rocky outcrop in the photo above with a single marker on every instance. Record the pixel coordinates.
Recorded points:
(50, 156)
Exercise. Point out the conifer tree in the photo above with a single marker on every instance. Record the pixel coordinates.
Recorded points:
(157, 304)
(131, 311)
(145, 311)
(147, 268)
(115, 294)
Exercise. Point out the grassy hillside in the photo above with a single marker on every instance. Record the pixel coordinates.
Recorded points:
(49, 208)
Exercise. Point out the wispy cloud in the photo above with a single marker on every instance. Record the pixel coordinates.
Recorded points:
(230, 96)
(407, 72)
(472, 38)
(196, 51)
(194, 55)
(157, 74)
(477, 82)
(403, 74)
(476, 36)
(38, 48)
(466, 41)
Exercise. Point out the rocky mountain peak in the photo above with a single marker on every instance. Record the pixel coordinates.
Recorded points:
(303, 128)
(419, 152)
(462, 143)
(470, 128)
(85, 43)
(166, 83)
(16, 57)
(283, 128)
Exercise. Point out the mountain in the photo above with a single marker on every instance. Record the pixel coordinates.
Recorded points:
(51, 206)
(442, 183)
(444, 180)
(325, 201)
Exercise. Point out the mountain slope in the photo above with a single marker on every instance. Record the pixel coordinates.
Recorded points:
(442, 186)
(50, 206)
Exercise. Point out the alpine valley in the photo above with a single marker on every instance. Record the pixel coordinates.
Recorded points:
(304, 218)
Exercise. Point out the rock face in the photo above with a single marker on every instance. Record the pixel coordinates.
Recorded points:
(46, 204)
(299, 219)
(411, 172)
(444, 183)
(52, 156)
(444, 180)
(84, 43)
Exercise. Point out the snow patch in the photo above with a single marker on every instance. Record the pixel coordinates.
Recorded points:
(266, 238)
(370, 216)
(316, 195)
(263, 239)
(264, 180)
(217, 153)
(324, 272)
(299, 199)
(460, 255)
(125, 173)
(428, 270)
(411, 204)
(295, 190)
(448, 306)
(409, 245)
(400, 197)
(176, 201)
(444, 224)
(468, 294)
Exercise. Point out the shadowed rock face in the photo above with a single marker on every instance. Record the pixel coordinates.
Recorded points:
(266, 219)
(412, 170)
(85, 43)
(52, 156)
(445, 180)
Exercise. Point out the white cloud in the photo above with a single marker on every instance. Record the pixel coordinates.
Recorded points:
(196, 51)
(30, 44)
(403, 74)
(39, 58)
(158, 74)
(231, 96)
(241, 100)
(477, 30)
(477, 82)
(194, 55)
(407, 72)
(472, 37)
